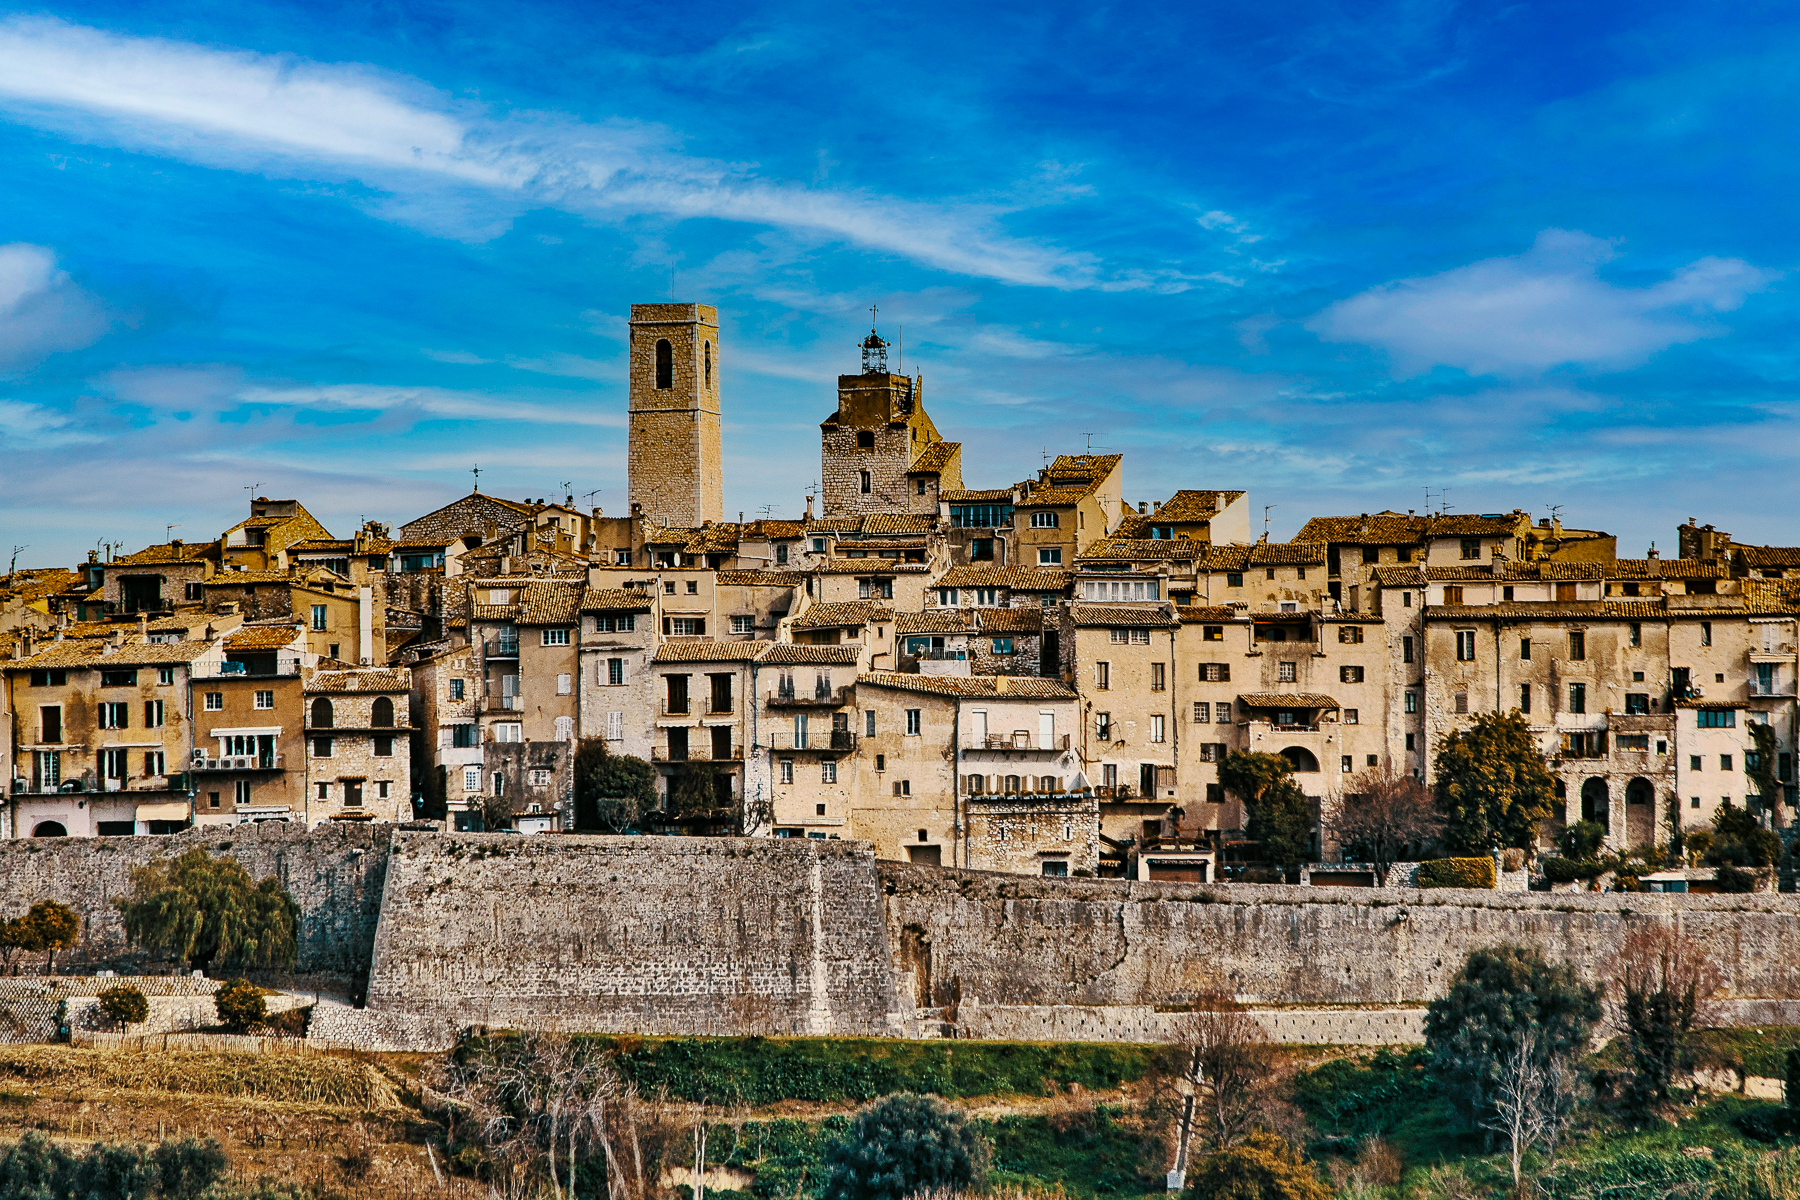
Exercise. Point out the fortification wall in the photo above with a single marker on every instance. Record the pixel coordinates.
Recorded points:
(634, 934)
(964, 937)
(335, 874)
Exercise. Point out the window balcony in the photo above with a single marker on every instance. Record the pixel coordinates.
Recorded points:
(1020, 740)
(828, 741)
(801, 698)
(695, 754)
(501, 647)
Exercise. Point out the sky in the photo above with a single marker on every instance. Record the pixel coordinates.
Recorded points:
(1409, 255)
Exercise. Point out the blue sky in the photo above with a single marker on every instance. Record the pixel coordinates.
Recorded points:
(1535, 254)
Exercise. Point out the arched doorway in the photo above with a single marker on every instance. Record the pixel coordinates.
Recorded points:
(1640, 812)
(1594, 803)
(49, 829)
(1301, 758)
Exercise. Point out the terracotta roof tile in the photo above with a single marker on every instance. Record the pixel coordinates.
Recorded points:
(1403, 576)
(935, 620)
(1125, 549)
(360, 680)
(1099, 615)
(1274, 554)
(1550, 610)
(263, 637)
(783, 654)
(786, 579)
(1018, 579)
(1468, 525)
(871, 566)
(92, 653)
(709, 651)
(168, 552)
(899, 523)
(1371, 529)
(977, 687)
(1286, 700)
(976, 496)
(766, 527)
(1196, 614)
(1189, 505)
(598, 599)
(842, 613)
(1770, 556)
(935, 458)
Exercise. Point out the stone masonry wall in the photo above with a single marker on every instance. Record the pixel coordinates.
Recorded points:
(334, 873)
(643, 934)
(970, 937)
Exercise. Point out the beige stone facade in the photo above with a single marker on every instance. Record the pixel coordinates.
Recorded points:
(676, 465)
(358, 745)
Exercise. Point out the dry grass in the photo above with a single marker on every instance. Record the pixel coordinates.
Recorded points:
(293, 1078)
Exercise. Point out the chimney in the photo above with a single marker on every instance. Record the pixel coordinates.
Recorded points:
(1143, 508)
(1652, 552)
(143, 625)
(175, 543)
(999, 685)
(1156, 506)
(809, 509)
(23, 649)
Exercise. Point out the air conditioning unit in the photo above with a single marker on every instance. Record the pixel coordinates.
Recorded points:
(197, 755)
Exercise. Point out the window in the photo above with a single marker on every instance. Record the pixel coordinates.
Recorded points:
(215, 701)
(873, 589)
(1107, 590)
(1412, 741)
(165, 676)
(743, 624)
(1156, 727)
(914, 721)
(1453, 593)
(463, 737)
(50, 716)
(318, 617)
(1285, 672)
(1405, 599)
(1043, 520)
(1003, 645)
(154, 762)
(1635, 634)
(665, 364)
(1465, 645)
(1234, 579)
(384, 746)
(1346, 764)
(946, 597)
(353, 793)
(865, 439)
(1724, 762)
(1706, 633)
(921, 486)
(498, 782)
(1350, 635)
(1050, 556)
(903, 787)
(863, 482)
(869, 723)
(1471, 547)
(693, 587)
(787, 770)
(1506, 594)
(677, 687)
(828, 770)
(1103, 726)
(1202, 712)
(1212, 633)
(1350, 674)
(1525, 698)
(1269, 572)
(615, 672)
(880, 762)
(1578, 697)
(564, 684)
(987, 597)
(1406, 649)
(1693, 762)
(1128, 637)
(556, 637)
(321, 747)
(471, 779)
(513, 731)
(1215, 793)
(1158, 677)
(153, 715)
(1102, 676)
(624, 623)
(381, 712)
(1715, 718)
(781, 554)
(1412, 702)
(322, 716)
(118, 679)
(1637, 704)
(1462, 702)
(1577, 645)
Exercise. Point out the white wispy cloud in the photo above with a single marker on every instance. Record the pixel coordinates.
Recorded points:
(438, 402)
(240, 109)
(1541, 309)
(24, 425)
(41, 309)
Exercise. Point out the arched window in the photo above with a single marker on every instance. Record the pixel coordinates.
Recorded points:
(321, 713)
(1640, 791)
(382, 713)
(709, 366)
(1302, 758)
(1594, 802)
(665, 364)
(49, 829)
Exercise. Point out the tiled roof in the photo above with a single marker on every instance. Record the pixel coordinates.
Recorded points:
(971, 620)
(1443, 574)
(1770, 556)
(1663, 568)
(976, 687)
(1299, 554)
(1188, 505)
(783, 654)
(262, 637)
(1770, 596)
(596, 599)
(1019, 579)
(1382, 528)
(1465, 525)
(712, 538)
(1550, 610)
(1549, 569)
(1100, 615)
(249, 578)
(91, 653)
(777, 530)
(361, 680)
(342, 546)
(843, 612)
(1010, 620)
(1194, 614)
(976, 496)
(550, 603)
(168, 552)
(1144, 549)
(30, 586)
(787, 579)
(871, 566)
(936, 620)
(709, 651)
(1286, 700)
(885, 543)
(935, 458)
(834, 525)
(899, 523)
(182, 621)
(1399, 576)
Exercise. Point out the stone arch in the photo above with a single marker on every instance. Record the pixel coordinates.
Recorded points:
(1595, 802)
(1640, 812)
(321, 713)
(1640, 791)
(382, 712)
(1301, 758)
(49, 829)
(665, 363)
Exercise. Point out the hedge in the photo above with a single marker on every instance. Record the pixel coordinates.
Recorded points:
(1558, 869)
(1457, 873)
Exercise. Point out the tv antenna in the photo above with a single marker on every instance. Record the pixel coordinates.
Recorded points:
(1266, 509)
(253, 488)
(14, 568)
(589, 496)
(564, 487)
(169, 532)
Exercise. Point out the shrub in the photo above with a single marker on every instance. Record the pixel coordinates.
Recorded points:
(1736, 880)
(1347, 1098)
(38, 1168)
(1768, 1124)
(1457, 873)
(903, 1145)
(1263, 1166)
(241, 1005)
(124, 1005)
(1558, 869)
(1790, 1091)
(1583, 839)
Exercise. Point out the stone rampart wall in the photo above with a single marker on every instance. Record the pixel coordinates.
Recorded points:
(964, 937)
(634, 934)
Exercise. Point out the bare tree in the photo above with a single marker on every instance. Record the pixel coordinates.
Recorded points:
(1228, 1067)
(1381, 813)
(1532, 1101)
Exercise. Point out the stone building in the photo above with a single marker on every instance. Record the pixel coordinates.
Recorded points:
(260, 541)
(158, 578)
(358, 745)
(676, 466)
(805, 772)
(618, 639)
(880, 451)
(448, 751)
(701, 730)
(249, 747)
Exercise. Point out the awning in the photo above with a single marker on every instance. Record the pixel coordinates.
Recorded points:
(1286, 700)
(169, 810)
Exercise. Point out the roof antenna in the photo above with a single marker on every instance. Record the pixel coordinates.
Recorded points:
(14, 568)
(903, 350)
(252, 488)
(169, 532)
(1266, 509)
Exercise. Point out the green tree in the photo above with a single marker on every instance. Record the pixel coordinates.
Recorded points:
(1501, 995)
(1264, 1166)
(1739, 840)
(204, 910)
(612, 791)
(50, 926)
(1759, 764)
(124, 1005)
(1582, 840)
(240, 1005)
(1276, 812)
(1493, 784)
(903, 1145)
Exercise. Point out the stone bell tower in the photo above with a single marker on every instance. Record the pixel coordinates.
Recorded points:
(676, 468)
